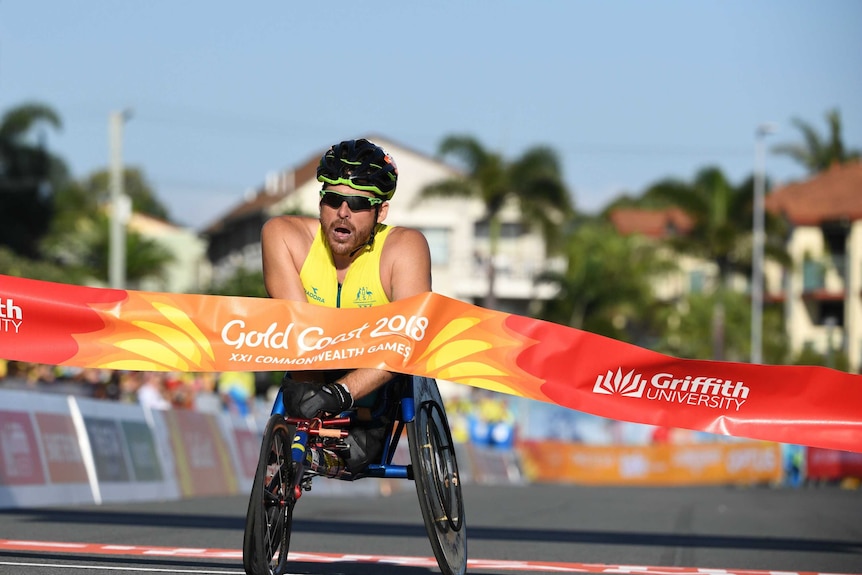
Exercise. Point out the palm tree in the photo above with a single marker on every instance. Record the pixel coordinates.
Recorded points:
(28, 176)
(78, 238)
(135, 185)
(721, 234)
(817, 153)
(606, 287)
(145, 257)
(688, 328)
(532, 182)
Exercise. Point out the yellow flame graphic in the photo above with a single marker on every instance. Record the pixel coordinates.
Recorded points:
(151, 334)
(479, 351)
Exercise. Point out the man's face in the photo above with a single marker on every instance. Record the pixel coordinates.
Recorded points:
(346, 229)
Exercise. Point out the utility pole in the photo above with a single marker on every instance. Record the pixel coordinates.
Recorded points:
(759, 239)
(121, 207)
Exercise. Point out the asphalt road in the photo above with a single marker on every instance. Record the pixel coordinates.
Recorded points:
(815, 529)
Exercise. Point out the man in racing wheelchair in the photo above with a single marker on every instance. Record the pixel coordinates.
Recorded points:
(346, 258)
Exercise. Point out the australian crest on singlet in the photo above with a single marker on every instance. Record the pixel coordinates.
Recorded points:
(362, 286)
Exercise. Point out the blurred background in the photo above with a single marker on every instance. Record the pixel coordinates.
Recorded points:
(682, 176)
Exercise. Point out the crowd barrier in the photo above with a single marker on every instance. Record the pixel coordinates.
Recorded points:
(67, 450)
(61, 450)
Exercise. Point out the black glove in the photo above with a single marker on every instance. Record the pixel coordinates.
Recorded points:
(310, 399)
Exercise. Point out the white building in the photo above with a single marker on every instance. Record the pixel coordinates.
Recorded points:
(822, 290)
(189, 271)
(456, 234)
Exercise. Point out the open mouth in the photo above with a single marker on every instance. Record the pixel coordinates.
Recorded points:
(341, 233)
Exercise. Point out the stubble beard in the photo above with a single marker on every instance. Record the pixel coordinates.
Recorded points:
(345, 247)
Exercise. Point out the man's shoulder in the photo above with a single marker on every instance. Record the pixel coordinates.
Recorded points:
(403, 233)
(402, 240)
(291, 225)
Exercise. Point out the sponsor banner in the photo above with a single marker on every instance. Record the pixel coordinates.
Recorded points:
(143, 458)
(41, 462)
(19, 452)
(125, 459)
(201, 456)
(432, 336)
(106, 442)
(696, 464)
(830, 464)
(61, 448)
(243, 436)
(247, 451)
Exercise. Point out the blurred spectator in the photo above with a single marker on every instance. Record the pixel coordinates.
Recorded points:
(180, 389)
(41, 373)
(129, 382)
(4, 368)
(236, 390)
(794, 464)
(459, 411)
(152, 391)
(493, 422)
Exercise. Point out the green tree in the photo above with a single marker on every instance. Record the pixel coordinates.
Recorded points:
(145, 257)
(816, 153)
(606, 287)
(688, 328)
(79, 239)
(243, 282)
(11, 264)
(532, 182)
(29, 174)
(721, 234)
(834, 358)
(135, 185)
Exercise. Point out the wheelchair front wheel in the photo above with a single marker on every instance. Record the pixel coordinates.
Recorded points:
(269, 518)
(438, 483)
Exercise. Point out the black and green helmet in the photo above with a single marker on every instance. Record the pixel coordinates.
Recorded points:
(361, 165)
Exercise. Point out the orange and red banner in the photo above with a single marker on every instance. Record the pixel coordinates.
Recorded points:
(656, 465)
(433, 336)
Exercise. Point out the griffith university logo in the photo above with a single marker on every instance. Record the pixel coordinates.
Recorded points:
(695, 390)
(11, 317)
(629, 385)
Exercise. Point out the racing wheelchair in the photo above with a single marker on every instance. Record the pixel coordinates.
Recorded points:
(283, 473)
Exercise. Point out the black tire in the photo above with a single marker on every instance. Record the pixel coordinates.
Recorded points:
(438, 484)
(269, 519)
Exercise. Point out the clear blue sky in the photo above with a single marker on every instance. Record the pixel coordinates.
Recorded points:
(627, 92)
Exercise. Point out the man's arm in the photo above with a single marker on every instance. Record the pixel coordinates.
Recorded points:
(285, 242)
(409, 261)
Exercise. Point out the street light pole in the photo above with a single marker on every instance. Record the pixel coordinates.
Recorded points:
(758, 241)
(120, 203)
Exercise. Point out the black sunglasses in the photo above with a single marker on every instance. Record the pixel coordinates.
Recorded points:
(356, 203)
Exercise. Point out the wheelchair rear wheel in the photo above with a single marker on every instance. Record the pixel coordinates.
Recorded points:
(269, 518)
(438, 483)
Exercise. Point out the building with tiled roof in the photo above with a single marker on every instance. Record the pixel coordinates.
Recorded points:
(456, 234)
(692, 275)
(188, 271)
(822, 291)
(657, 224)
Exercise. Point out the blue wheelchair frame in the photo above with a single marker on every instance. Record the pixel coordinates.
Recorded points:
(280, 478)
